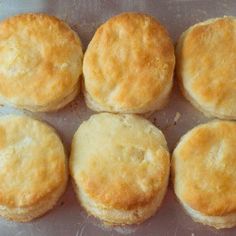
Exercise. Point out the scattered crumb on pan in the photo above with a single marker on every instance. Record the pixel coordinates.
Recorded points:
(177, 117)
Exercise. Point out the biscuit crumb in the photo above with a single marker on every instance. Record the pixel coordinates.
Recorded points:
(177, 117)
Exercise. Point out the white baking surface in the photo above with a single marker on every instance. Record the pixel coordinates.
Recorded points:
(67, 218)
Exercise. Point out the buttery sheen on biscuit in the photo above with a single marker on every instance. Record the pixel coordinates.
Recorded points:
(40, 62)
(120, 167)
(206, 62)
(128, 65)
(33, 173)
(204, 176)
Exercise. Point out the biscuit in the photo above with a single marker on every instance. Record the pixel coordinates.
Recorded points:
(33, 173)
(203, 173)
(128, 66)
(120, 167)
(40, 62)
(206, 55)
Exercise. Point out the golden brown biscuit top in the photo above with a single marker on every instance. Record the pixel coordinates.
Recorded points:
(206, 57)
(32, 161)
(40, 59)
(204, 168)
(120, 161)
(129, 62)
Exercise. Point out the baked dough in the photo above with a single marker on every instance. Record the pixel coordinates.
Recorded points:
(206, 56)
(203, 171)
(128, 66)
(33, 173)
(120, 167)
(40, 62)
